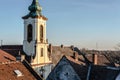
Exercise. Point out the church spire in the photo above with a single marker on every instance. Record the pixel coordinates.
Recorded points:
(35, 6)
(35, 10)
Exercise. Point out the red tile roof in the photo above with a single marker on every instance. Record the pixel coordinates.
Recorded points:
(7, 72)
(8, 65)
(101, 59)
(58, 53)
(5, 57)
(13, 49)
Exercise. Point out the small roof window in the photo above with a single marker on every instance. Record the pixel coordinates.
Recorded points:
(18, 73)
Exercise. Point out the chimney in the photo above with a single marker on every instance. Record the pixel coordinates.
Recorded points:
(72, 47)
(95, 59)
(75, 55)
(50, 48)
(20, 57)
(62, 46)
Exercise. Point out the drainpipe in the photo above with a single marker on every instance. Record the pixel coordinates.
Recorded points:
(89, 71)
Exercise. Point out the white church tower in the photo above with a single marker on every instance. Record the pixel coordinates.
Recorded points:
(35, 43)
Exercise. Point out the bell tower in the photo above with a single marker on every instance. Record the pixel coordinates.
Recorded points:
(35, 43)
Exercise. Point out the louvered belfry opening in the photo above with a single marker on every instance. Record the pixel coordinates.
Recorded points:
(29, 33)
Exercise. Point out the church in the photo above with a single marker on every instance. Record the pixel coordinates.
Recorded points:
(35, 45)
(36, 50)
(59, 62)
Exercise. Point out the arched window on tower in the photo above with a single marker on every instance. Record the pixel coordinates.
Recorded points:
(29, 33)
(41, 52)
(41, 33)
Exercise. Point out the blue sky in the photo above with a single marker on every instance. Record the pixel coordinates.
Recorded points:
(82, 23)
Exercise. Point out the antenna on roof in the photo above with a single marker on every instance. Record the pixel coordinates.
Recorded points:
(96, 45)
(1, 43)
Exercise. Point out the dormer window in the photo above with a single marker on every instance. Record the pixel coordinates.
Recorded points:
(18, 73)
(29, 33)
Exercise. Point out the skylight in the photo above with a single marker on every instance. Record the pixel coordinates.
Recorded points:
(18, 73)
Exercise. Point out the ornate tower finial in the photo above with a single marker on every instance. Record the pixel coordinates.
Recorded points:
(35, 10)
(35, 6)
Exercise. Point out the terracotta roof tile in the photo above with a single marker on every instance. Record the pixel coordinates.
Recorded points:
(58, 52)
(5, 57)
(7, 72)
(80, 60)
(13, 49)
(101, 59)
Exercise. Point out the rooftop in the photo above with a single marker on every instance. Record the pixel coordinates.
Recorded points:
(9, 71)
(5, 57)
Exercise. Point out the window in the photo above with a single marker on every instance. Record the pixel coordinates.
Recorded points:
(41, 33)
(29, 33)
(41, 52)
(18, 73)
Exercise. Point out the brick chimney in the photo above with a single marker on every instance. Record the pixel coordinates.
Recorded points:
(75, 55)
(72, 47)
(20, 57)
(95, 59)
(62, 46)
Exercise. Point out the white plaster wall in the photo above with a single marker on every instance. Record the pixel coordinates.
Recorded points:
(29, 48)
(47, 70)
